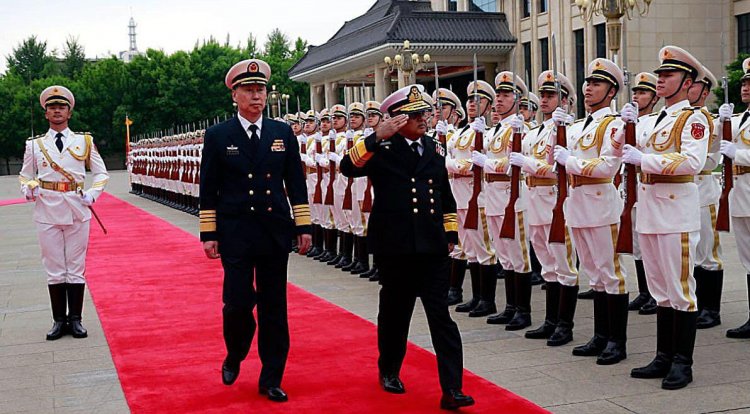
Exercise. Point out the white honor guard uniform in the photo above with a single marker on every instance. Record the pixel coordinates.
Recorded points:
(359, 184)
(671, 150)
(53, 174)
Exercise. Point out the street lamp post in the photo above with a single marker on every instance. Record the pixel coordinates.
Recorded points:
(407, 63)
(613, 10)
(274, 100)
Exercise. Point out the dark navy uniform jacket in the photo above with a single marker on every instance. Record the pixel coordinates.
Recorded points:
(413, 209)
(245, 195)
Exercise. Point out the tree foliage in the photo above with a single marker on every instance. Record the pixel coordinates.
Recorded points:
(159, 92)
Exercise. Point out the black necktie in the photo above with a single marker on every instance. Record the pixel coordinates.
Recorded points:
(254, 139)
(415, 147)
(58, 141)
(661, 116)
(588, 121)
(744, 117)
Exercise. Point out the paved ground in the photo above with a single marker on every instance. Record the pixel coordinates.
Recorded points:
(70, 375)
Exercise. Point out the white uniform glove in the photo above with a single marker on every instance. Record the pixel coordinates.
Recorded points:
(516, 122)
(334, 157)
(631, 155)
(561, 154)
(561, 117)
(30, 193)
(517, 159)
(321, 159)
(332, 135)
(629, 113)
(442, 128)
(86, 198)
(478, 159)
(728, 149)
(349, 135)
(479, 125)
(318, 137)
(725, 112)
(368, 131)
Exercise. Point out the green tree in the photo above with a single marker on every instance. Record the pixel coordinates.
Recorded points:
(30, 60)
(74, 58)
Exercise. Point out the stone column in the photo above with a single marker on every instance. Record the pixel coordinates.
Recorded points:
(381, 85)
(331, 94)
(489, 72)
(317, 98)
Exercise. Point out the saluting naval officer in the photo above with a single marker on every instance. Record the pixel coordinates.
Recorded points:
(53, 174)
(248, 163)
(413, 227)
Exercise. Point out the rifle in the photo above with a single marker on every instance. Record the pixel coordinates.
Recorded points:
(347, 204)
(331, 168)
(727, 174)
(439, 103)
(625, 235)
(472, 215)
(508, 229)
(557, 228)
(318, 193)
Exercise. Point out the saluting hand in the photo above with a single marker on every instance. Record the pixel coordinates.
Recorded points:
(211, 248)
(390, 126)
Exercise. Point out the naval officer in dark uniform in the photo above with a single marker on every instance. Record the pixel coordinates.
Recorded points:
(250, 175)
(412, 228)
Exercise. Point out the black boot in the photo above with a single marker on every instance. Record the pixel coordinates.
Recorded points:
(510, 301)
(58, 303)
(564, 330)
(331, 239)
(598, 342)
(743, 332)
(346, 258)
(75, 309)
(681, 372)
(373, 269)
(522, 317)
(617, 313)
(659, 367)
(340, 255)
(476, 284)
(586, 294)
(486, 305)
(500, 271)
(316, 242)
(458, 273)
(536, 268)
(550, 314)
(643, 293)
(710, 314)
(355, 255)
(363, 259)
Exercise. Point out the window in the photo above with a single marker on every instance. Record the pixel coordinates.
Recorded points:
(527, 58)
(452, 5)
(489, 6)
(580, 69)
(601, 40)
(544, 51)
(525, 8)
(743, 33)
(543, 6)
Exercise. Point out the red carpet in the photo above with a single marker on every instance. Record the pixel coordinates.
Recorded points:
(10, 202)
(159, 301)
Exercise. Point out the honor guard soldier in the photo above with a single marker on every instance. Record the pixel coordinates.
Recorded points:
(670, 150)
(709, 267)
(413, 227)
(446, 126)
(512, 253)
(476, 243)
(557, 260)
(307, 140)
(321, 210)
(529, 109)
(739, 198)
(360, 262)
(251, 173)
(295, 123)
(374, 118)
(339, 136)
(53, 175)
(593, 209)
(644, 98)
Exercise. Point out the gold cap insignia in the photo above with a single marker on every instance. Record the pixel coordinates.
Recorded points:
(414, 94)
(253, 67)
(668, 54)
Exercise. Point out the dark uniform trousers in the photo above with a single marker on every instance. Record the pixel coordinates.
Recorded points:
(412, 208)
(246, 191)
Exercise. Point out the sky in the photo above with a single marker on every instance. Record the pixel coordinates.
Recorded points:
(101, 26)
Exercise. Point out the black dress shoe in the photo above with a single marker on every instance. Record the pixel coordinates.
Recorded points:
(536, 278)
(658, 368)
(708, 319)
(521, 320)
(467, 306)
(58, 330)
(593, 347)
(392, 384)
(483, 308)
(375, 276)
(743, 332)
(229, 372)
(274, 393)
(455, 296)
(503, 317)
(76, 328)
(455, 399)
(563, 334)
(589, 294)
(543, 332)
(649, 308)
(679, 376)
(639, 301)
(613, 353)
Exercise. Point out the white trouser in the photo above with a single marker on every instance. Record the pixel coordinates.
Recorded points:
(340, 218)
(741, 229)
(513, 254)
(64, 251)
(356, 219)
(636, 240)
(668, 260)
(557, 259)
(476, 244)
(596, 252)
(708, 251)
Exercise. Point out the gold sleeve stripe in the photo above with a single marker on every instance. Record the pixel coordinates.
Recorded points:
(207, 221)
(589, 168)
(451, 226)
(359, 154)
(207, 227)
(302, 220)
(450, 221)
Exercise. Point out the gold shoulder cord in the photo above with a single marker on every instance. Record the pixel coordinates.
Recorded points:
(710, 120)
(460, 145)
(598, 135)
(675, 135)
(504, 142)
(53, 164)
